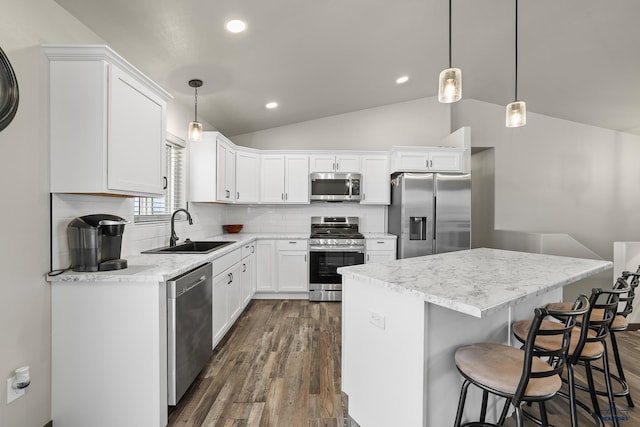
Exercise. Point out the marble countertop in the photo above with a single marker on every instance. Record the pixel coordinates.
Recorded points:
(477, 281)
(161, 267)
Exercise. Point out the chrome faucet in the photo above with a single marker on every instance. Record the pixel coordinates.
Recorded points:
(174, 238)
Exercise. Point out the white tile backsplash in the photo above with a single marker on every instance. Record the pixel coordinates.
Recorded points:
(208, 219)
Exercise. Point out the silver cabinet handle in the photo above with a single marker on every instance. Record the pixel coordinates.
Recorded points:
(286, 196)
(237, 195)
(230, 276)
(282, 196)
(305, 257)
(244, 268)
(253, 249)
(367, 257)
(430, 163)
(293, 243)
(379, 243)
(333, 166)
(338, 166)
(228, 194)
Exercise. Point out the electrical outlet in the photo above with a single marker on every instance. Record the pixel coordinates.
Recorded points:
(13, 393)
(377, 319)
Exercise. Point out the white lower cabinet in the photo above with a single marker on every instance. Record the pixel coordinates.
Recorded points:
(228, 302)
(282, 266)
(380, 250)
(248, 283)
(293, 270)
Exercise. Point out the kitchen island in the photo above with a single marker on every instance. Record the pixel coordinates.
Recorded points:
(403, 320)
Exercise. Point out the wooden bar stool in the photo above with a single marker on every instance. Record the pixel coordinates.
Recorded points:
(588, 343)
(630, 282)
(518, 375)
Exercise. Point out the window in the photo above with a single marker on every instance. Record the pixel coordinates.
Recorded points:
(161, 208)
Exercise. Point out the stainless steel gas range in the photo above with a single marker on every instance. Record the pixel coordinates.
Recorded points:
(334, 242)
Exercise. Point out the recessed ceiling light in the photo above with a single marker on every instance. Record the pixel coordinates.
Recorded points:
(271, 105)
(402, 79)
(235, 26)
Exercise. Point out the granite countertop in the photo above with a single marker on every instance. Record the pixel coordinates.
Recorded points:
(161, 267)
(477, 281)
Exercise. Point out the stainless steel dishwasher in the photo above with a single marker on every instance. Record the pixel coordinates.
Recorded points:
(189, 329)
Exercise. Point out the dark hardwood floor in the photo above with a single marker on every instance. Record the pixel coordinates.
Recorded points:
(279, 366)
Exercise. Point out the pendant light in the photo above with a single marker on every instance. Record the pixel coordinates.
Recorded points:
(517, 110)
(450, 82)
(195, 127)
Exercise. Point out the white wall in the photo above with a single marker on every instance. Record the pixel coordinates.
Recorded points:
(556, 176)
(25, 329)
(422, 121)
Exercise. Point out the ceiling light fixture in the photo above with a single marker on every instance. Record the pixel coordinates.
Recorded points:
(402, 79)
(517, 110)
(450, 82)
(271, 105)
(195, 127)
(235, 26)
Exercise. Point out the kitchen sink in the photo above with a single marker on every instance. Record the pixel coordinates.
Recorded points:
(190, 247)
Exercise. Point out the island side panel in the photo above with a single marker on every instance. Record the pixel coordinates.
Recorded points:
(109, 362)
(382, 355)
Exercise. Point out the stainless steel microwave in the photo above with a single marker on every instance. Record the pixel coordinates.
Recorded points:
(333, 186)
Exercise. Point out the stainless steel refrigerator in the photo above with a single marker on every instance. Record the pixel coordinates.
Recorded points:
(430, 213)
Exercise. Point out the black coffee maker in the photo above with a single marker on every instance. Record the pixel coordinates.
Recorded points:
(95, 242)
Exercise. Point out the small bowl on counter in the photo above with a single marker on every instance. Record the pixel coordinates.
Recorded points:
(232, 228)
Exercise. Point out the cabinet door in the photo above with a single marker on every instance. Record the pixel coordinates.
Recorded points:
(445, 161)
(297, 179)
(272, 179)
(380, 256)
(220, 305)
(225, 173)
(265, 265)
(322, 163)
(375, 180)
(234, 295)
(416, 161)
(202, 169)
(348, 163)
(135, 136)
(247, 176)
(248, 279)
(293, 271)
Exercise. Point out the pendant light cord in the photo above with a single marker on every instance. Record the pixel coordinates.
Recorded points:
(516, 56)
(450, 33)
(196, 105)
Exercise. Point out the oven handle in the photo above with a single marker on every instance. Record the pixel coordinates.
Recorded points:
(336, 249)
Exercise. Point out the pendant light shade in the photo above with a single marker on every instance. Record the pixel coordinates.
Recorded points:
(516, 114)
(195, 127)
(450, 85)
(517, 110)
(450, 81)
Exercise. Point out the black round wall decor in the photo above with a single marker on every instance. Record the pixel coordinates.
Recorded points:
(8, 91)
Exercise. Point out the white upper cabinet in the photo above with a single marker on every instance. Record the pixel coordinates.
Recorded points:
(375, 180)
(426, 159)
(247, 176)
(334, 163)
(225, 170)
(222, 172)
(107, 124)
(285, 178)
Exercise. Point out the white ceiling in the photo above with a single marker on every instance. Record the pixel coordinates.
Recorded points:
(578, 59)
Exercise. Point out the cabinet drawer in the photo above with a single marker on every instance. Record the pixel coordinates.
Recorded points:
(248, 249)
(381, 244)
(226, 261)
(292, 245)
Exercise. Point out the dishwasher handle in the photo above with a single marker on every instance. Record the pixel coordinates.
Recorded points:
(187, 289)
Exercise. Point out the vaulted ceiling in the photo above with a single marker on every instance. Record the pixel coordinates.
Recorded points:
(578, 59)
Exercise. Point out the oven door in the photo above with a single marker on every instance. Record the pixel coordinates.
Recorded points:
(324, 264)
